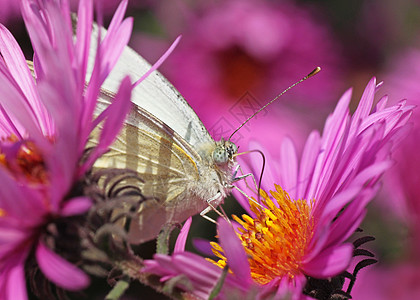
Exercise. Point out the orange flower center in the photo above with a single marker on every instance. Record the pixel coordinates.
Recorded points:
(277, 239)
(25, 161)
(241, 72)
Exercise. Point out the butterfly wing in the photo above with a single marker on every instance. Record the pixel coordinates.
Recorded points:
(165, 162)
(166, 143)
(155, 94)
(173, 174)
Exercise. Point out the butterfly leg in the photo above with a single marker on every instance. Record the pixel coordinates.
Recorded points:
(243, 176)
(212, 207)
(204, 212)
(246, 195)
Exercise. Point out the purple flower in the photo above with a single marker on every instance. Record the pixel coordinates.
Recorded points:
(237, 55)
(402, 188)
(399, 281)
(10, 9)
(235, 46)
(400, 195)
(300, 228)
(46, 117)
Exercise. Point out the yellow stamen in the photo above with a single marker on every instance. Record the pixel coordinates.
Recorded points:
(277, 239)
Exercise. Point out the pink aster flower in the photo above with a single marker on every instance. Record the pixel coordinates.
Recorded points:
(46, 117)
(387, 283)
(299, 229)
(10, 9)
(237, 55)
(401, 193)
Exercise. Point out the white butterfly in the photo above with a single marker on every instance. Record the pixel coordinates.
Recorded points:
(184, 170)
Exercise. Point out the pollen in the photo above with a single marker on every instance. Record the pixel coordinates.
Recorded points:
(23, 160)
(275, 240)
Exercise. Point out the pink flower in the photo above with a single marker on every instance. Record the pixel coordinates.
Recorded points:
(300, 228)
(404, 191)
(237, 55)
(10, 9)
(45, 121)
(399, 281)
(401, 193)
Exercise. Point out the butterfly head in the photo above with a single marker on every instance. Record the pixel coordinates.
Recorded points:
(224, 152)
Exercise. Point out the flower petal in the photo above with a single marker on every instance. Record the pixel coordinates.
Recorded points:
(16, 283)
(234, 251)
(182, 237)
(330, 262)
(289, 167)
(114, 116)
(60, 271)
(307, 164)
(365, 105)
(197, 269)
(203, 246)
(76, 206)
(18, 67)
(332, 136)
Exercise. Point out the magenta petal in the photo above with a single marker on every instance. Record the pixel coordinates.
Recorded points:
(365, 104)
(60, 271)
(182, 237)
(330, 262)
(161, 265)
(76, 206)
(203, 246)
(83, 34)
(289, 167)
(372, 172)
(16, 283)
(310, 153)
(196, 268)
(236, 257)
(165, 263)
(114, 116)
(17, 200)
(292, 291)
(159, 62)
(338, 202)
(112, 47)
(117, 17)
(271, 174)
(346, 224)
(16, 62)
(381, 105)
(335, 126)
(19, 108)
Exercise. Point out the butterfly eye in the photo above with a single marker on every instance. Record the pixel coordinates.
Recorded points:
(220, 155)
(224, 152)
(231, 149)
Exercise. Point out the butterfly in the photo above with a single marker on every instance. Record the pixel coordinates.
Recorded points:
(183, 170)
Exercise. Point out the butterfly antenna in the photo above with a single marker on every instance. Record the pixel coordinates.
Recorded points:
(313, 73)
